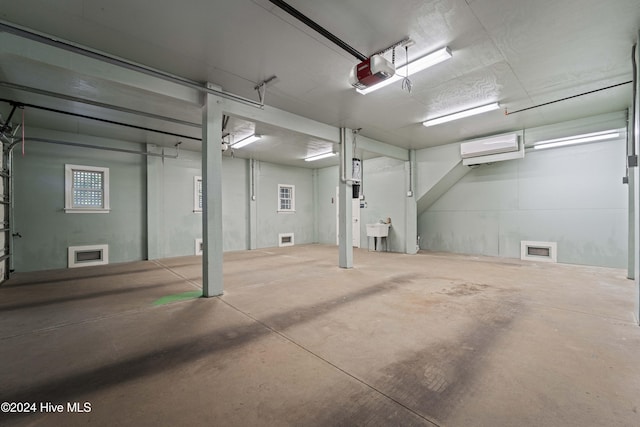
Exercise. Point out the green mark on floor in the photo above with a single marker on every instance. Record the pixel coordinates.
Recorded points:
(178, 297)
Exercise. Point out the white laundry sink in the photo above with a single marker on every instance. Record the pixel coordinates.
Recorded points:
(378, 230)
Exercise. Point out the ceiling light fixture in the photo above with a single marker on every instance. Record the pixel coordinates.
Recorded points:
(414, 67)
(577, 139)
(246, 141)
(461, 114)
(319, 156)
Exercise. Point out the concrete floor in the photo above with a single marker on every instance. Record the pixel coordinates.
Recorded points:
(430, 339)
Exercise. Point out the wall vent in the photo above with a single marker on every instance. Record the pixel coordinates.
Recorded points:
(285, 239)
(89, 255)
(539, 251)
(198, 247)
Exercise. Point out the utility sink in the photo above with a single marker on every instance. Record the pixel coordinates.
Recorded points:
(378, 230)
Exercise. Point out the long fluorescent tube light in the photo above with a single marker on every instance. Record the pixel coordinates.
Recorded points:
(578, 139)
(246, 141)
(319, 156)
(414, 67)
(461, 114)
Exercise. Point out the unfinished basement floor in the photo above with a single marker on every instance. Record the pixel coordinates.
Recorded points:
(399, 340)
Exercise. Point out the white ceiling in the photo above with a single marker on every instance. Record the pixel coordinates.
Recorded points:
(518, 52)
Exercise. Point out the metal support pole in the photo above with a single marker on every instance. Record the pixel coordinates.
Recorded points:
(631, 188)
(212, 283)
(411, 206)
(635, 171)
(345, 232)
(636, 174)
(253, 204)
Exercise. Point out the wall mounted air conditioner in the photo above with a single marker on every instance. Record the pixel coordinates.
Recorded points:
(492, 149)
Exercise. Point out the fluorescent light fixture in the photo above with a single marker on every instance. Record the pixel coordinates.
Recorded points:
(461, 114)
(246, 141)
(319, 156)
(414, 67)
(577, 139)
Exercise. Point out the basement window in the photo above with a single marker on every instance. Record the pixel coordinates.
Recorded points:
(197, 194)
(286, 198)
(86, 189)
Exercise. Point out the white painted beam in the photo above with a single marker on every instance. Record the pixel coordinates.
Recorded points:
(382, 148)
(283, 119)
(16, 46)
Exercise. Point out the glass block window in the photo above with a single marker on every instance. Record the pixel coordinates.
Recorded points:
(86, 189)
(197, 194)
(286, 198)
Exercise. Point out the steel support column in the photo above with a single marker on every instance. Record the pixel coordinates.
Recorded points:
(212, 283)
(345, 233)
(411, 206)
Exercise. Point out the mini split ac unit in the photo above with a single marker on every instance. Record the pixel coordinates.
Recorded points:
(492, 149)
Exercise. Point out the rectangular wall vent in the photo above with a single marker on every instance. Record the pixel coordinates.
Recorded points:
(539, 251)
(285, 239)
(89, 255)
(198, 247)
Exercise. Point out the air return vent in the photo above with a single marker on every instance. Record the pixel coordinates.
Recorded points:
(85, 256)
(538, 251)
(285, 239)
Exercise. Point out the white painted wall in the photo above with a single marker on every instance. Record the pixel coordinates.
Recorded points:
(572, 195)
(270, 222)
(384, 191)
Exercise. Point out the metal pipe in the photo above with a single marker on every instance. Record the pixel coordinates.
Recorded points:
(5, 126)
(98, 104)
(90, 53)
(8, 190)
(84, 116)
(315, 26)
(632, 162)
(412, 156)
(12, 224)
(567, 98)
(253, 179)
(96, 147)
